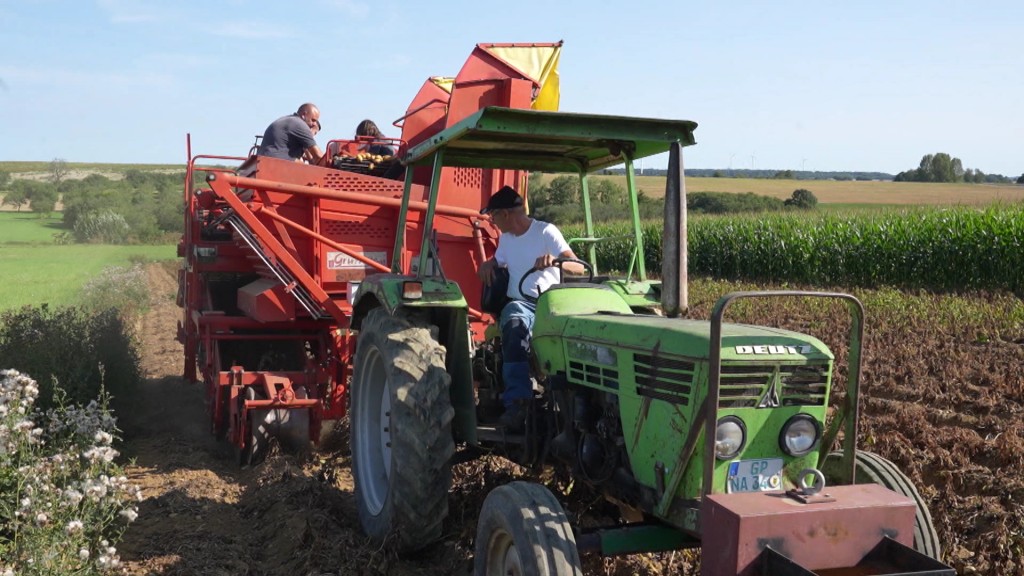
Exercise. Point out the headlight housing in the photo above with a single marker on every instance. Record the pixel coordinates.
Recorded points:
(800, 435)
(730, 437)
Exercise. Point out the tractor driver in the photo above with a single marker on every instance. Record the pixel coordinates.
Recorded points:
(525, 244)
(291, 137)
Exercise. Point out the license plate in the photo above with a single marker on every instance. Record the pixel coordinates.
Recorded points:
(755, 475)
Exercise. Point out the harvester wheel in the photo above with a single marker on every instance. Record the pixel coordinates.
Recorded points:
(873, 469)
(401, 431)
(523, 531)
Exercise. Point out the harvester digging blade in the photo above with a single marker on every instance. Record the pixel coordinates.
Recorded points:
(289, 427)
(292, 426)
(260, 425)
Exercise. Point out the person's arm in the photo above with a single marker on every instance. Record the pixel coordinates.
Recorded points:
(486, 271)
(547, 261)
(313, 154)
(556, 244)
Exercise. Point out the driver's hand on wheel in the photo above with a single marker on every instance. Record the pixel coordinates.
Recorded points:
(545, 261)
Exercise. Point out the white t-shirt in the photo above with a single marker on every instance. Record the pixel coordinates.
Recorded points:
(519, 253)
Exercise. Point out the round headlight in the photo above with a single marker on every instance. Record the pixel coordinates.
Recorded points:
(729, 437)
(800, 435)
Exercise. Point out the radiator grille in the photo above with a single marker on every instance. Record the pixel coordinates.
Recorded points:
(750, 386)
(667, 379)
(580, 373)
(804, 385)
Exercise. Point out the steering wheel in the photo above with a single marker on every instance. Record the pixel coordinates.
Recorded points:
(557, 263)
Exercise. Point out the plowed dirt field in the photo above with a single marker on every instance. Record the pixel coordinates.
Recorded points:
(943, 399)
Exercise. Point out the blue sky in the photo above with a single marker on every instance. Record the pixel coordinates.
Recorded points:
(869, 85)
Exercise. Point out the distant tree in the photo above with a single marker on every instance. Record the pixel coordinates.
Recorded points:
(564, 190)
(58, 170)
(940, 167)
(16, 197)
(607, 192)
(537, 192)
(717, 174)
(1021, 179)
(5, 179)
(804, 199)
(43, 200)
(783, 175)
(728, 202)
(979, 177)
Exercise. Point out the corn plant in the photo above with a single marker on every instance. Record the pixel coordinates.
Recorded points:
(957, 248)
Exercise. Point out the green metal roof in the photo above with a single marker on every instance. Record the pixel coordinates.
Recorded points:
(549, 141)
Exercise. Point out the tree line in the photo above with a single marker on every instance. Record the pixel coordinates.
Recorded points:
(941, 167)
(142, 207)
(559, 201)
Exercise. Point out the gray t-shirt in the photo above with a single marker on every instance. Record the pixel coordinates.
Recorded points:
(286, 138)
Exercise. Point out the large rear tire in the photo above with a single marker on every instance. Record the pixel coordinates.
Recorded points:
(523, 531)
(873, 469)
(401, 431)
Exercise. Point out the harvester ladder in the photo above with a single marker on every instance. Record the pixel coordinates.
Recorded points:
(279, 271)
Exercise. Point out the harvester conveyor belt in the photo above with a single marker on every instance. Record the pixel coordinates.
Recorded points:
(279, 271)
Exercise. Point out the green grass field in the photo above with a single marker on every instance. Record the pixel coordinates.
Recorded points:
(27, 228)
(37, 271)
(54, 275)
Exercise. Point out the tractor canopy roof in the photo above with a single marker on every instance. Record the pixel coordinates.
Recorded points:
(535, 140)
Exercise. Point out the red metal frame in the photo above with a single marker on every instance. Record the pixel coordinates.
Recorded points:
(272, 247)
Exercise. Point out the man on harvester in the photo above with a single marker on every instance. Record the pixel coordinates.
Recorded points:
(291, 137)
(526, 247)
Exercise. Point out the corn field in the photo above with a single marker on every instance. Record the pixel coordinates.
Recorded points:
(936, 248)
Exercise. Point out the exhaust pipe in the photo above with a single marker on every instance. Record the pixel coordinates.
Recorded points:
(674, 288)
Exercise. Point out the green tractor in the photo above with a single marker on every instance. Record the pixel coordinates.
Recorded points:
(704, 433)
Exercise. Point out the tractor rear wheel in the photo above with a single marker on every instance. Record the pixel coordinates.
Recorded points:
(523, 531)
(401, 431)
(873, 469)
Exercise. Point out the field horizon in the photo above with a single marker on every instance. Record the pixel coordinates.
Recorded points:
(839, 192)
(845, 192)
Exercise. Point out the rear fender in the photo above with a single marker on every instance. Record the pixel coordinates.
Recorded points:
(387, 290)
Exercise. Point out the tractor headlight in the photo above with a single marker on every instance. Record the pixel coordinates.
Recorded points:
(730, 436)
(800, 435)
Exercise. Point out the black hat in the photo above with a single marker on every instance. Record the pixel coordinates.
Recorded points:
(502, 200)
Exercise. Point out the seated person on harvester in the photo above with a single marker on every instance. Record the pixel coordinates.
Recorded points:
(525, 244)
(368, 129)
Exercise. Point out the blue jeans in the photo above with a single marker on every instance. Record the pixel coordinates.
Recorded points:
(516, 325)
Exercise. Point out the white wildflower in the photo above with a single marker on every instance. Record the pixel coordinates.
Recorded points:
(83, 553)
(103, 438)
(73, 497)
(41, 518)
(74, 526)
(130, 514)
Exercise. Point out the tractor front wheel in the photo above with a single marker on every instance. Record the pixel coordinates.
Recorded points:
(873, 469)
(401, 431)
(523, 531)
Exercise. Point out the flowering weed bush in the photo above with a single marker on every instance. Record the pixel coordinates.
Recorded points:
(93, 347)
(64, 501)
(119, 287)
